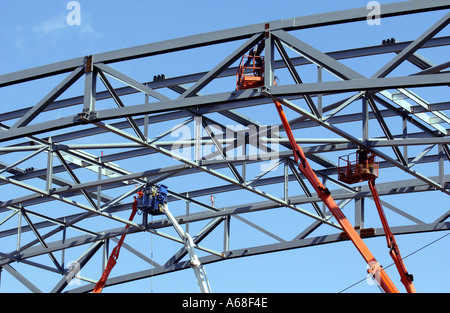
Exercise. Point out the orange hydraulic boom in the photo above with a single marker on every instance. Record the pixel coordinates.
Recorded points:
(363, 166)
(114, 255)
(394, 251)
(374, 267)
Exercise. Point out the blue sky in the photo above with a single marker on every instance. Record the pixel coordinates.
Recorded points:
(36, 33)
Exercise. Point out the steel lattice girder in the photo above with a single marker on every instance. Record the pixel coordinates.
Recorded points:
(23, 132)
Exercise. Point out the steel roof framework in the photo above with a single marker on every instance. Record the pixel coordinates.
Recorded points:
(71, 201)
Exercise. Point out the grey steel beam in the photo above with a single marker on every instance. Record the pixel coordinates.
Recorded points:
(81, 261)
(270, 248)
(184, 170)
(362, 84)
(131, 82)
(197, 193)
(22, 279)
(317, 56)
(385, 129)
(119, 103)
(210, 171)
(295, 125)
(49, 98)
(298, 61)
(190, 104)
(385, 189)
(414, 46)
(362, 144)
(41, 240)
(316, 20)
(41, 72)
(219, 68)
(65, 200)
(75, 179)
(290, 66)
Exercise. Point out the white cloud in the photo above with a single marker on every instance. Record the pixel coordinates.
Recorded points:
(53, 26)
(57, 26)
(87, 29)
(16, 35)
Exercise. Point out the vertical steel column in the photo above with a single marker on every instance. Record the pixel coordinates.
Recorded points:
(226, 233)
(441, 166)
(89, 85)
(244, 163)
(187, 211)
(197, 134)
(286, 180)
(365, 120)
(105, 254)
(99, 176)
(147, 101)
(319, 96)
(268, 58)
(405, 136)
(19, 227)
(359, 213)
(48, 185)
(63, 241)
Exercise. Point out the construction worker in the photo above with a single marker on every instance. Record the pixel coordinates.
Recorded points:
(140, 198)
(258, 59)
(255, 53)
(362, 161)
(371, 162)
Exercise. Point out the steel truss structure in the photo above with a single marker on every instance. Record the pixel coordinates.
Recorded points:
(123, 132)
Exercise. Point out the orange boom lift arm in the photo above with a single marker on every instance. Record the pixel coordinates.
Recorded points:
(363, 166)
(375, 269)
(394, 250)
(114, 255)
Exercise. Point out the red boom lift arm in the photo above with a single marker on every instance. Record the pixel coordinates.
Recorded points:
(394, 251)
(255, 80)
(374, 267)
(114, 255)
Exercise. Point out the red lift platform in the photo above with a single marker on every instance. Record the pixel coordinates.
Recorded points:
(358, 167)
(250, 73)
(361, 166)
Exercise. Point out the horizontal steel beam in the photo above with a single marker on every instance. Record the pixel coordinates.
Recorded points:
(216, 37)
(296, 61)
(252, 251)
(384, 189)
